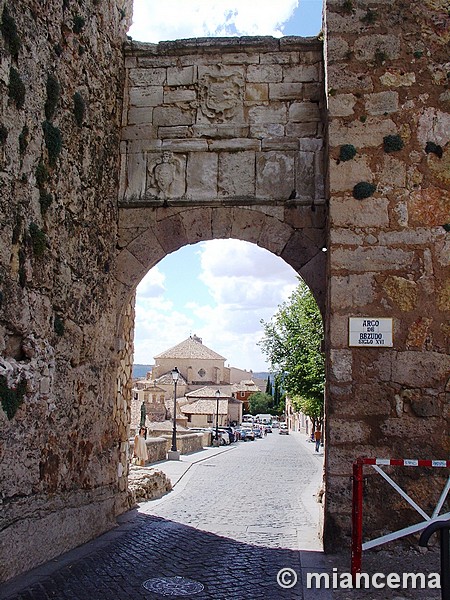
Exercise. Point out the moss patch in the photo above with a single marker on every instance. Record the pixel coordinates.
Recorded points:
(12, 398)
(347, 152)
(392, 143)
(58, 325)
(10, 33)
(53, 94)
(23, 139)
(42, 175)
(16, 88)
(78, 24)
(45, 200)
(79, 108)
(53, 141)
(433, 148)
(363, 190)
(3, 134)
(38, 240)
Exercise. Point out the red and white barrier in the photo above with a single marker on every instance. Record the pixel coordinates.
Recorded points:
(357, 509)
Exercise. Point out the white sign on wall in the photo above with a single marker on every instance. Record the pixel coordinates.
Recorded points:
(370, 332)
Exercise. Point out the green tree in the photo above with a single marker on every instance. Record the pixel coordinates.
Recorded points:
(269, 386)
(259, 403)
(292, 341)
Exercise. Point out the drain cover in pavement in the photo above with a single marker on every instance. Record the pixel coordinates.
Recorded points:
(173, 586)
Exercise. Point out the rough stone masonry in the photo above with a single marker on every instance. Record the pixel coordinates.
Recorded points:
(81, 223)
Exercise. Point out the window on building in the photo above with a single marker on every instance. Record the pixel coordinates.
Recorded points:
(189, 418)
(136, 396)
(210, 418)
(242, 394)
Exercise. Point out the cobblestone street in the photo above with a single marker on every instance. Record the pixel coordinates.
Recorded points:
(235, 518)
(231, 523)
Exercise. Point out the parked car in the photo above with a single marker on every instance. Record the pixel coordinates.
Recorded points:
(283, 429)
(241, 434)
(232, 433)
(257, 431)
(249, 433)
(268, 429)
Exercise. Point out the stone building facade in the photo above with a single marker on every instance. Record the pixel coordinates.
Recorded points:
(97, 187)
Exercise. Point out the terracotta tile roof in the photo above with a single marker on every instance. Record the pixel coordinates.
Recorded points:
(208, 392)
(245, 386)
(166, 379)
(205, 407)
(190, 348)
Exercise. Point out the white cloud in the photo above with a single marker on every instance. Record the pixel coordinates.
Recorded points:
(152, 285)
(246, 283)
(155, 21)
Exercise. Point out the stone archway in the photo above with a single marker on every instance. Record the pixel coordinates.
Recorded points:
(148, 234)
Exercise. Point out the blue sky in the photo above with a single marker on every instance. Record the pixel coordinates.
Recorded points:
(219, 290)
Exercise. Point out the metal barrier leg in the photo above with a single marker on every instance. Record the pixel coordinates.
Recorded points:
(357, 507)
(445, 563)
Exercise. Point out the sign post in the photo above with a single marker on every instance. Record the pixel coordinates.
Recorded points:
(370, 332)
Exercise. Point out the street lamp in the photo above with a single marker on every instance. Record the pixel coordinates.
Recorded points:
(217, 417)
(174, 454)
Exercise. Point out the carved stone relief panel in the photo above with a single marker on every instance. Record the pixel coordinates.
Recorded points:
(275, 175)
(166, 175)
(221, 95)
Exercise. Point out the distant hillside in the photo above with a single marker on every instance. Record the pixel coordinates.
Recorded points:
(261, 375)
(140, 371)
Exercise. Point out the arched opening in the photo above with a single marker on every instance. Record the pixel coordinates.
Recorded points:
(240, 261)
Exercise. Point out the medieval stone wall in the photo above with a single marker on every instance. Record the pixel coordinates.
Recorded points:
(61, 83)
(70, 260)
(389, 248)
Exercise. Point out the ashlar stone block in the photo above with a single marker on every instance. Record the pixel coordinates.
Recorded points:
(202, 173)
(275, 113)
(361, 135)
(285, 91)
(304, 111)
(264, 74)
(341, 105)
(237, 174)
(181, 75)
(381, 103)
(146, 77)
(275, 175)
(257, 92)
(345, 175)
(146, 96)
(171, 115)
